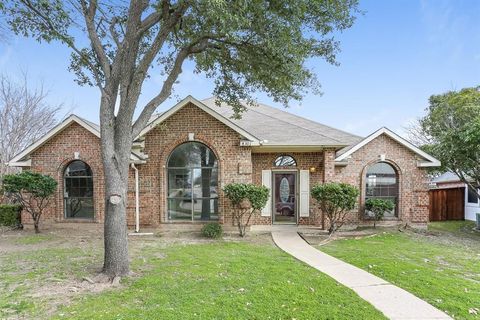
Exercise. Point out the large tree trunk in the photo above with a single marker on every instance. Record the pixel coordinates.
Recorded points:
(116, 261)
(116, 143)
(35, 225)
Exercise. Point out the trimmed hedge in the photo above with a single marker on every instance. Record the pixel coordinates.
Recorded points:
(10, 215)
(212, 230)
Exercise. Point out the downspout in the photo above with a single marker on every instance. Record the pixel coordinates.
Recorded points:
(137, 207)
(137, 200)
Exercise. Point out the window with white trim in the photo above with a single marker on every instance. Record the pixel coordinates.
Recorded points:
(382, 182)
(192, 183)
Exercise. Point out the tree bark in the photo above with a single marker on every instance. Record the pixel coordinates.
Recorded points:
(35, 225)
(116, 261)
(116, 141)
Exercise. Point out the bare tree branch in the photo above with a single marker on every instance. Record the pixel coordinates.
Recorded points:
(25, 116)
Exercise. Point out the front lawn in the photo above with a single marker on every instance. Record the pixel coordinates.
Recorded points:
(175, 279)
(441, 266)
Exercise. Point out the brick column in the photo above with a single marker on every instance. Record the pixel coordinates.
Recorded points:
(328, 165)
(328, 176)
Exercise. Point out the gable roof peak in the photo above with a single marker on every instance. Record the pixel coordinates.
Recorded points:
(91, 127)
(189, 99)
(344, 153)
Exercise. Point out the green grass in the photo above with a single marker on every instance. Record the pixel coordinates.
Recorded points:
(22, 271)
(223, 281)
(34, 239)
(441, 267)
(461, 228)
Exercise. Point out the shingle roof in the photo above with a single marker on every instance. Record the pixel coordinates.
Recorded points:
(92, 124)
(279, 127)
(446, 177)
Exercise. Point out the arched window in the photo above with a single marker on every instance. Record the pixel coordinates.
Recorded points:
(382, 182)
(192, 183)
(285, 161)
(78, 191)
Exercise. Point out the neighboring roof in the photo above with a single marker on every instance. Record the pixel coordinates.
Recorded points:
(189, 99)
(446, 177)
(344, 153)
(275, 127)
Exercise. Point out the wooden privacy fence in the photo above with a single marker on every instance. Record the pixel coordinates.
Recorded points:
(447, 204)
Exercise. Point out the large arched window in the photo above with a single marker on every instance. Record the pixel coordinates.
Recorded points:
(78, 191)
(192, 183)
(382, 182)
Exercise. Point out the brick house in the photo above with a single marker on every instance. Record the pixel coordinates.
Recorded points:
(183, 158)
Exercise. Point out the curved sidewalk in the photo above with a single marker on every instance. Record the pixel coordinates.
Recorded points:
(394, 302)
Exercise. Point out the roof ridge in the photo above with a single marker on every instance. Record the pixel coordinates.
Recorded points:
(91, 123)
(309, 120)
(248, 106)
(294, 124)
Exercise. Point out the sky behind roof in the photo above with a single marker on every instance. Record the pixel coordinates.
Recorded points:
(395, 56)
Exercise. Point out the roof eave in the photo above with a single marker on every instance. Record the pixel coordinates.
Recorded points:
(26, 163)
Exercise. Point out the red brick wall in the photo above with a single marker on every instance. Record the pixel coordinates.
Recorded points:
(264, 161)
(54, 156)
(413, 182)
(161, 141)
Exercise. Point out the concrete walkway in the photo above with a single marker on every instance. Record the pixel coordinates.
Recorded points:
(394, 302)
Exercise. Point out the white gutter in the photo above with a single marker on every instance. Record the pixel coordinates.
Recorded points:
(137, 206)
(137, 200)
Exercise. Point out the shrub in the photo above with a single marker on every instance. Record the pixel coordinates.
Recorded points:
(335, 200)
(378, 207)
(212, 230)
(10, 215)
(246, 199)
(32, 191)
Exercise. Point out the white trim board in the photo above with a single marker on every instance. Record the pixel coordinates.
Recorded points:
(431, 161)
(189, 99)
(17, 160)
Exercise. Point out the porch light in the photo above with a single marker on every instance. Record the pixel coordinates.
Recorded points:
(313, 170)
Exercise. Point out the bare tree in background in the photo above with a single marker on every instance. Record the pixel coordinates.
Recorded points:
(416, 135)
(25, 116)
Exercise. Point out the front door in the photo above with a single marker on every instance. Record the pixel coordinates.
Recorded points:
(284, 197)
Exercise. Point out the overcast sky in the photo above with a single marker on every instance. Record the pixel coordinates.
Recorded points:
(394, 57)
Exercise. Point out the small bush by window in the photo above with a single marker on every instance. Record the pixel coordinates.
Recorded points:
(246, 198)
(10, 215)
(212, 230)
(376, 208)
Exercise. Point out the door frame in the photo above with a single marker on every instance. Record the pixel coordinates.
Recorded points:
(282, 171)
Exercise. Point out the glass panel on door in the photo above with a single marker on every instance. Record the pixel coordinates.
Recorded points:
(285, 209)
